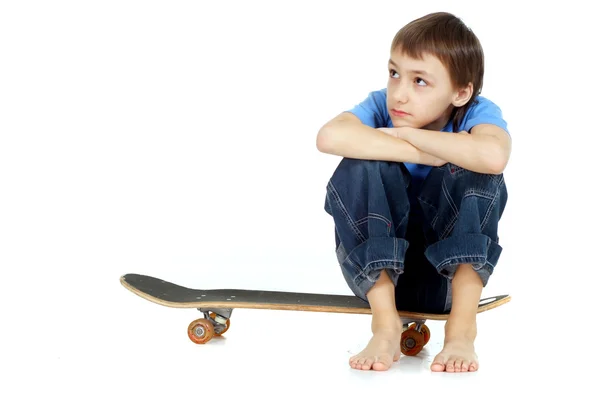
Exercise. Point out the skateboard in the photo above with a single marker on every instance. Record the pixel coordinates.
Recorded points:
(217, 305)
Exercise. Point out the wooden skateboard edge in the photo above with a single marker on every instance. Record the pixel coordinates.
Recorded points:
(290, 307)
(234, 304)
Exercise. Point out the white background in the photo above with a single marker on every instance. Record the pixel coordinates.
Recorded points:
(177, 139)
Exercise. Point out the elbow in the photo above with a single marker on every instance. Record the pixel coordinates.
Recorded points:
(497, 164)
(499, 156)
(496, 169)
(324, 140)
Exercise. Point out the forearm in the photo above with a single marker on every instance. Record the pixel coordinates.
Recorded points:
(476, 153)
(355, 140)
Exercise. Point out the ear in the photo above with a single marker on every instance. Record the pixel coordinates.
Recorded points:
(462, 96)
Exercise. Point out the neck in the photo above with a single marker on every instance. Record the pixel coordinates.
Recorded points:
(441, 122)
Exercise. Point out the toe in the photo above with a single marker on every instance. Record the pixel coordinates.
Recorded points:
(458, 365)
(473, 367)
(462, 365)
(438, 364)
(438, 367)
(450, 364)
(367, 364)
(381, 365)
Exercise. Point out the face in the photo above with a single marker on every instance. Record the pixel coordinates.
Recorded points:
(420, 93)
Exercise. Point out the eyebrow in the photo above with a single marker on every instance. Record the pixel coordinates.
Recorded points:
(414, 71)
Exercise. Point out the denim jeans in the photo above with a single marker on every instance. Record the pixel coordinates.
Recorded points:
(453, 220)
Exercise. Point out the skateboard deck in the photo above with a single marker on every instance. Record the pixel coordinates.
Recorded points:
(218, 304)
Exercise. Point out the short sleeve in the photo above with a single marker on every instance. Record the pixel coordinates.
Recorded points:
(372, 111)
(484, 112)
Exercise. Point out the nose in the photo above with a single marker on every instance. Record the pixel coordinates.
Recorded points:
(400, 93)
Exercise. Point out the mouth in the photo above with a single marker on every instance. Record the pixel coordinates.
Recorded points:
(398, 113)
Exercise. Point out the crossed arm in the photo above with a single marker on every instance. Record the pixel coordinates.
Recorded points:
(486, 149)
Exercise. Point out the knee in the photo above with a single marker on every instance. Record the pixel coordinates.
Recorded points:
(456, 172)
(473, 183)
(358, 166)
(457, 182)
(358, 170)
(477, 194)
(456, 195)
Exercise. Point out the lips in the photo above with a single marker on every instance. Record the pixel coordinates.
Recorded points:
(399, 113)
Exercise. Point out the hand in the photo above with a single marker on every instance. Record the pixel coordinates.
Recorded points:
(401, 132)
(389, 131)
(438, 162)
(428, 159)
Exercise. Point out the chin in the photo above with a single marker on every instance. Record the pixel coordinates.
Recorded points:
(402, 124)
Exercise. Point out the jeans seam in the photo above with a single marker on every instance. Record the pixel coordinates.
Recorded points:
(454, 209)
(492, 203)
(449, 227)
(379, 216)
(435, 217)
(376, 216)
(338, 200)
(363, 272)
(479, 193)
(448, 197)
(349, 261)
(401, 222)
(426, 202)
(448, 260)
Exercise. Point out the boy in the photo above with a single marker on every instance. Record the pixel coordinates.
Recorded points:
(423, 165)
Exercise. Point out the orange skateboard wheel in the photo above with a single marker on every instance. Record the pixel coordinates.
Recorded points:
(201, 331)
(424, 330)
(412, 342)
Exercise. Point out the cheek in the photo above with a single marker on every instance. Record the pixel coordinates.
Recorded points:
(435, 102)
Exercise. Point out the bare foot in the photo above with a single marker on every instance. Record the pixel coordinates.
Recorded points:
(458, 354)
(382, 350)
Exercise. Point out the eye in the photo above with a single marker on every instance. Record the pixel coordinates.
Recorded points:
(420, 82)
(392, 72)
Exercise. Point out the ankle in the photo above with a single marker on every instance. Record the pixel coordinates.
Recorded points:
(460, 329)
(387, 323)
(381, 296)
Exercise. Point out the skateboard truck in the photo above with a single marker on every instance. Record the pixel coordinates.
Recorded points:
(221, 315)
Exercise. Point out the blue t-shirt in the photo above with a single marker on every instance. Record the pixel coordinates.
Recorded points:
(373, 112)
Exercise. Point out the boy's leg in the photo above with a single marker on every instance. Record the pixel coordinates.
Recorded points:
(369, 204)
(462, 211)
(420, 288)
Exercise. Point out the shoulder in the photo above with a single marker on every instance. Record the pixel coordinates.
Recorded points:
(372, 109)
(483, 104)
(376, 96)
(483, 111)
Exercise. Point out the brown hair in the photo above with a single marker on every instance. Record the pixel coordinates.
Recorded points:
(446, 37)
